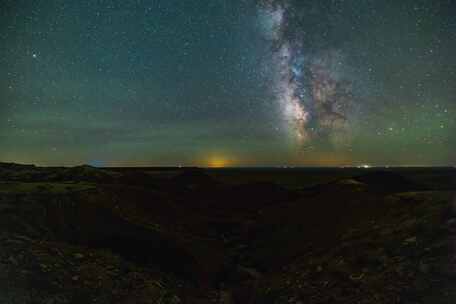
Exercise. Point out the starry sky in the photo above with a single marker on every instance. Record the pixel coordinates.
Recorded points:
(228, 82)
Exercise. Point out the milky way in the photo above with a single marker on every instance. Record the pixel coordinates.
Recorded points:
(314, 94)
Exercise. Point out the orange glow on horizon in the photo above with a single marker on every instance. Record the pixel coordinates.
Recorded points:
(218, 161)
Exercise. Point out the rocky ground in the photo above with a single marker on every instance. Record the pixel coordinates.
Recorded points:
(87, 235)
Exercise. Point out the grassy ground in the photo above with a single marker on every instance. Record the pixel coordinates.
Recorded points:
(44, 187)
(226, 236)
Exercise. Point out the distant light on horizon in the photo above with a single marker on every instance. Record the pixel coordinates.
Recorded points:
(219, 162)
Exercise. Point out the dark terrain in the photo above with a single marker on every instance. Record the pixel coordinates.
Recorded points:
(164, 235)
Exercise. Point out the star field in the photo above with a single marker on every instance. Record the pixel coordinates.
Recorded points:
(245, 82)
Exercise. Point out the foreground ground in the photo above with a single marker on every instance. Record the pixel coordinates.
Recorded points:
(124, 235)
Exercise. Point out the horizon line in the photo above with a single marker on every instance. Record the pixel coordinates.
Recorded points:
(360, 166)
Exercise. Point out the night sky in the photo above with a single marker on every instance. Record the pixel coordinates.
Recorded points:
(228, 82)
